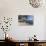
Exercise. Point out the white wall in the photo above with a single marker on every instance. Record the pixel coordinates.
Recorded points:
(13, 8)
(24, 32)
(45, 29)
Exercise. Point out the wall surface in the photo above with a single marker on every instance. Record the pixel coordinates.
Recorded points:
(13, 8)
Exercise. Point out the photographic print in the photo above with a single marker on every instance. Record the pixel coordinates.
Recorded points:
(25, 19)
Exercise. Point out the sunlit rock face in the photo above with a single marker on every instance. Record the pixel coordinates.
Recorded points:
(35, 3)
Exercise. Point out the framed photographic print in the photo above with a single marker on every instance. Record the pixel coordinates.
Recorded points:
(25, 19)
